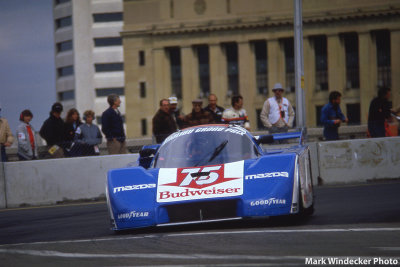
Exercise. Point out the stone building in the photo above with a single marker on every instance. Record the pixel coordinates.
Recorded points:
(190, 48)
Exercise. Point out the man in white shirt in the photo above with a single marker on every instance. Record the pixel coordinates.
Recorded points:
(277, 114)
(236, 114)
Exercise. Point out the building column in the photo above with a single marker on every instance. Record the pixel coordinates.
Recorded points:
(395, 66)
(368, 72)
(218, 74)
(309, 81)
(162, 76)
(276, 64)
(336, 64)
(247, 80)
(190, 90)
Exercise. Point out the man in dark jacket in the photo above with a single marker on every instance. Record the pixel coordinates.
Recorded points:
(379, 112)
(198, 115)
(214, 109)
(113, 126)
(332, 116)
(53, 131)
(163, 122)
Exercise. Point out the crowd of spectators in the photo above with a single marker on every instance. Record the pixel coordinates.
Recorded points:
(72, 137)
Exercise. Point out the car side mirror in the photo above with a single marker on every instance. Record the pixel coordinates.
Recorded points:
(146, 155)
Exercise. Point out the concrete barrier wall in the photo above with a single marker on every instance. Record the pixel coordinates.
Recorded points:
(42, 182)
(361, 160)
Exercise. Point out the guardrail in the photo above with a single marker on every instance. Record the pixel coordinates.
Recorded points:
(44, 182)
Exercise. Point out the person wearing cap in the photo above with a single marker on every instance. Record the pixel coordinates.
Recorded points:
(52, 131)
(27, 146)
(112, 125)
(6, 137)
(277, 113)
(214, 109)
(236, 115)
(198, 115)
(163, 122)
(176, 112)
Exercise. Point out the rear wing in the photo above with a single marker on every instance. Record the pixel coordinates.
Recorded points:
(270, 138)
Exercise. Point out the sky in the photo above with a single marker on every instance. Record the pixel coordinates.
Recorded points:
(27, 73)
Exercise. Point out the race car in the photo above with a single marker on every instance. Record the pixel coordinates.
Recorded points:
(211, 173)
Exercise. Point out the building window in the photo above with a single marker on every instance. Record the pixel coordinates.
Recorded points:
(352, 60)
(142, 59)
(176, 70)
(58, 2)
(260, 53)
(288, 47)
(321, 62)
(318, 110)
(110, 41)
(98, 119)
(67, 95)
(100, 92)
(63, 22)
(260, 125)
(142, 89)
(231, 51)
(65, 71)
(64, 46)
(204, 69)
(144, 126)
(105, 67)
(108, 17)
(354, 113)
(383, 57)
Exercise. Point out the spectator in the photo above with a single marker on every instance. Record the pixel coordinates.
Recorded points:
(176, 112)
(236, 114)
(52, 131)
(396, 115)
(88, 135)
(214, 109)
(27, 146)
(72, 122)
(379, 113)
(6, 137)
(163, 122)
(332, 116)
(113, 126)
(198, 115)
(277, 113)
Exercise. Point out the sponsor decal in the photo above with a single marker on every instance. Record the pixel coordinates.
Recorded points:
(178, 184)
(267, 175)
(177, 134)
(210, 129)
(133, 214)
(268, 202)
(236, 131)
(133, 187)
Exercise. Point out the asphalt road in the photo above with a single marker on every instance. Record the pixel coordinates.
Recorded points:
(359, 223)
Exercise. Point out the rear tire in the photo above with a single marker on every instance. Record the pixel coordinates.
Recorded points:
(304, 212)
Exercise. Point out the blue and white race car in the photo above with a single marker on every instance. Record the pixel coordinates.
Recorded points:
(211, 173)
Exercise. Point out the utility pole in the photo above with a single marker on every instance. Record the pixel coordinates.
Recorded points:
(299, 65)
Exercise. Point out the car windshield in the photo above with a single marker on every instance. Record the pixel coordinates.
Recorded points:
(208, 145)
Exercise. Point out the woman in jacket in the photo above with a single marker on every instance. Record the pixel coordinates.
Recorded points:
(72, 122)
(27, 146)
(88, 135)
